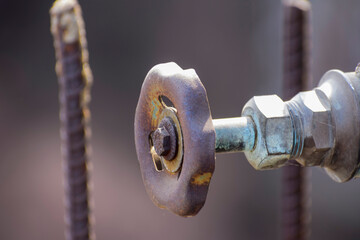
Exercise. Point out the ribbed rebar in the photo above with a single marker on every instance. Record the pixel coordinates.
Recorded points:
(295, 192)
(75, 78)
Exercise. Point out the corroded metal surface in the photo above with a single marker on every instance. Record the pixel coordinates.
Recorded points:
(234, 134)
(274, 132)
(168, 125)
(168, 119)
(75, 78)
(295, 204)
(161, 141)
(296, 47)
(183, 192)
(316, 128)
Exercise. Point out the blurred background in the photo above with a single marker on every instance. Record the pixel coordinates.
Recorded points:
(235, 47)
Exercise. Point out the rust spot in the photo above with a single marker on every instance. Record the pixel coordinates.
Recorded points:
(202, 178)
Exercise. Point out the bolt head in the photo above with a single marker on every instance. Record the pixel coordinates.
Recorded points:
(161, 141)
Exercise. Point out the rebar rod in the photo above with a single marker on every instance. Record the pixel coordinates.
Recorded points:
(74, 78)
(295, 210)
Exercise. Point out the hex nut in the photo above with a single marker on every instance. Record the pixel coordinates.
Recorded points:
(161, 140)
(318, 129)
(274, 132)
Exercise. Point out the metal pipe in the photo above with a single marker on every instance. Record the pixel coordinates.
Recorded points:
(234, 134)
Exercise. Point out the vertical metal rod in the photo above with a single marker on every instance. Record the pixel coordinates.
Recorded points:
(295, 207)
(75, 78)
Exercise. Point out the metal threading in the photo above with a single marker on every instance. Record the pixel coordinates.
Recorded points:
(75, 78)
(298, 129)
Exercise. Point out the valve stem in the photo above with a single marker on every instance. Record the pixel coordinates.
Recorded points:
(234, 134)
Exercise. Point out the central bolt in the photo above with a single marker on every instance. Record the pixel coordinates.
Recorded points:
(161, 141)
(164, 139)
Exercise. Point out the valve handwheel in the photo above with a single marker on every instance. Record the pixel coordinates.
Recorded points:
(175, 144)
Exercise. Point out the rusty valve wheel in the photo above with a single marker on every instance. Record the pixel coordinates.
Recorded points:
(175, 144)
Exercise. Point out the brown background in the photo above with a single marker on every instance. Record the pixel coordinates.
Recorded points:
(235, 47)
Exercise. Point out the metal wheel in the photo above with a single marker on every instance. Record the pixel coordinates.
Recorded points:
(175, 144)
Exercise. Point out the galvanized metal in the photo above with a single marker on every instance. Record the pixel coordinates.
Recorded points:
(234, 134)
(274, 132)
(312, 112)
(184, 191)
(75, 78)
(316, 128)
(343, 92)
